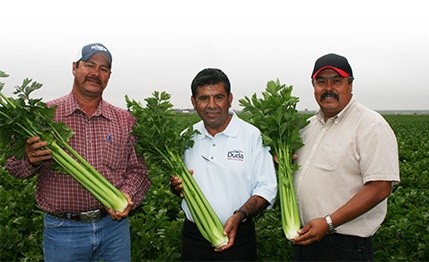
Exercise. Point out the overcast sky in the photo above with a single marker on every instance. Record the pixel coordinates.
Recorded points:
(162, 45)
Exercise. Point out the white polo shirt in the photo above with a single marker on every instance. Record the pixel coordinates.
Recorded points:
(339, 157)
(231, 167)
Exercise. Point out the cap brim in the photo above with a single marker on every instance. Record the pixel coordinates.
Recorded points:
(339, 71)
(88, 56)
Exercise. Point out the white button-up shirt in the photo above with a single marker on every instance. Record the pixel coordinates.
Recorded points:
(339, 157)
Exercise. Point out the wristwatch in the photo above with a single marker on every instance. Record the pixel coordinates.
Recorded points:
(243, 214)
(331, 228)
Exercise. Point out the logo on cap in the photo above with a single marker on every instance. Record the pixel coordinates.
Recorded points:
(99, 48)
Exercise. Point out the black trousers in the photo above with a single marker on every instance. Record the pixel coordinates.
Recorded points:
(196, 248)
(336, 247)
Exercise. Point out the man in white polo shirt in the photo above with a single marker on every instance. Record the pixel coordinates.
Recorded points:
(233, 169)
(347, 168)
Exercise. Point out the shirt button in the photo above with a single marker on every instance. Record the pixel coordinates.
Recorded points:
(214, 145)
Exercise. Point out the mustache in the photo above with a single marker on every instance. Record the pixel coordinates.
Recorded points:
(210, 111)
(329, 94)
(93, 78)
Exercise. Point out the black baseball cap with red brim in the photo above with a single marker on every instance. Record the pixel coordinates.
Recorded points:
(332, 61)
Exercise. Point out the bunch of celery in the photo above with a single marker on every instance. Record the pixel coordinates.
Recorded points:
(279, 122)
(161, 140)
(26, 117)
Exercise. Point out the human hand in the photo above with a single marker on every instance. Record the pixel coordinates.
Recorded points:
(313, 232)
(120, 215)
(276, 159)
(230, 230)
(176, 184)
(34, 149)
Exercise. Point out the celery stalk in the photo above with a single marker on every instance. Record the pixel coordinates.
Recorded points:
(25, 117)
(288, 204)
(279, 122)
(205, 218)
(91, 180)
(161, 140)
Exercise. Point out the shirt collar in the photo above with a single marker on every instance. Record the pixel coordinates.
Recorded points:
(71, 105)
(231, 130)
(338, 117)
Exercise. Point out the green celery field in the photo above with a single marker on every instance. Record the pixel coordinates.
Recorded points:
(156, 224)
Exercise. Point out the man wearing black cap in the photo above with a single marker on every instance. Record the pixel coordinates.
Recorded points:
(77, 226)
(347, 167)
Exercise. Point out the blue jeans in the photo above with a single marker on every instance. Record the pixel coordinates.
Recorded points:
(106, 239)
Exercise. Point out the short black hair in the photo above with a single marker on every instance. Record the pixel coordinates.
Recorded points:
(210, 76)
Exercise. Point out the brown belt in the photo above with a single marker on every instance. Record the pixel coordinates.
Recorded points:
(89, 216)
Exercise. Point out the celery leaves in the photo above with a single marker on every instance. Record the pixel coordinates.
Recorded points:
(278, 120)
(24, 117)
(161, 140)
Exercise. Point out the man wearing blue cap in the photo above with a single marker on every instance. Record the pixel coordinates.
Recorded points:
(77, 226)
(347, 168)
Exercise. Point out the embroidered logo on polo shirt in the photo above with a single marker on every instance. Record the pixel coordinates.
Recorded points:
(235, 155)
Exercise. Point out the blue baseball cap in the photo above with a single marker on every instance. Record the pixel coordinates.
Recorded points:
(89, 50)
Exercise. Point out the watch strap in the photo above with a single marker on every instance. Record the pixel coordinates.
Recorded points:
(331, 228)
(243, 214)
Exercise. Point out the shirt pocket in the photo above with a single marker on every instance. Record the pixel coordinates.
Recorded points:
(328, 157)
(114, 156)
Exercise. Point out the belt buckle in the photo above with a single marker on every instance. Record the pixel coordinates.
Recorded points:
(90, 216)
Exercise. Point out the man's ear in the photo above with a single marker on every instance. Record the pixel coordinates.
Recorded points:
(74, 68)
(194, 103)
